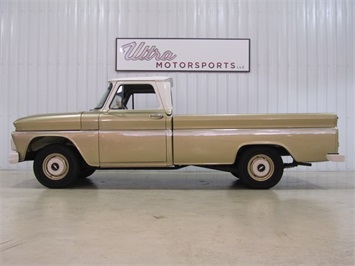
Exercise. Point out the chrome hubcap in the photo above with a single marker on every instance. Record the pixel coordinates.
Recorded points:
(55, 166)
(261, 167)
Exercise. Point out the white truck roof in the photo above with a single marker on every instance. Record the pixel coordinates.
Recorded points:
(153, 78)
(164, 85)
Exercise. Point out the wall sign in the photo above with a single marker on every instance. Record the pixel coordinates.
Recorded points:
(188, 55)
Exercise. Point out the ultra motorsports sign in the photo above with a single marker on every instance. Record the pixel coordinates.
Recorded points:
(204, 55)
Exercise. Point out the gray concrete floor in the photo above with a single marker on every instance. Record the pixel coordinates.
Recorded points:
(167, 217)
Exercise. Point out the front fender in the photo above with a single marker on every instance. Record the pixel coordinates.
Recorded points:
(86, 142)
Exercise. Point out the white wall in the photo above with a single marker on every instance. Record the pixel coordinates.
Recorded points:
(57, 55)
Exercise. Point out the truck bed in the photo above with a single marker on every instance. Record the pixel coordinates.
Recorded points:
(255, 121)
(216, 139)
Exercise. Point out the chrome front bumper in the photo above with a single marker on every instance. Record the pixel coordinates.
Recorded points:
(14, 157)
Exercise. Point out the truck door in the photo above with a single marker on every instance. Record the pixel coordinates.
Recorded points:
(133, 131)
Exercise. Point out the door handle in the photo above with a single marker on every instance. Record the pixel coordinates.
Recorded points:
(156, 116)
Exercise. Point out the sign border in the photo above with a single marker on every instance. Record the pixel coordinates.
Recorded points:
(191, 71)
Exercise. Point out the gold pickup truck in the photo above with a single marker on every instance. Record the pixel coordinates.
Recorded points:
(133, 127)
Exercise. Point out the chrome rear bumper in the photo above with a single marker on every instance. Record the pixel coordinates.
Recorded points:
(335, 157)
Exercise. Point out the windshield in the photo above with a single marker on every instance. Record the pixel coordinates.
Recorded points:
(103, 98)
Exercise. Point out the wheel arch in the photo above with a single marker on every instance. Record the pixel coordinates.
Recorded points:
(40, 142)
(282, 151)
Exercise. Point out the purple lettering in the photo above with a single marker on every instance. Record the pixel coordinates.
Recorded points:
(143, 52)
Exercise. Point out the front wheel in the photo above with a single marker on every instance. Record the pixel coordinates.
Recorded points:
(86, 171)
(260, 167)
(56, 166)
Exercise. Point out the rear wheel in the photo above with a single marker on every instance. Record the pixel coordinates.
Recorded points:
(260, 167)
(235, 173)
(56, 166)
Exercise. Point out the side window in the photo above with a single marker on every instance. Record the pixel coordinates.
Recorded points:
(135, 97)
(117, 102)
(140, 101)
